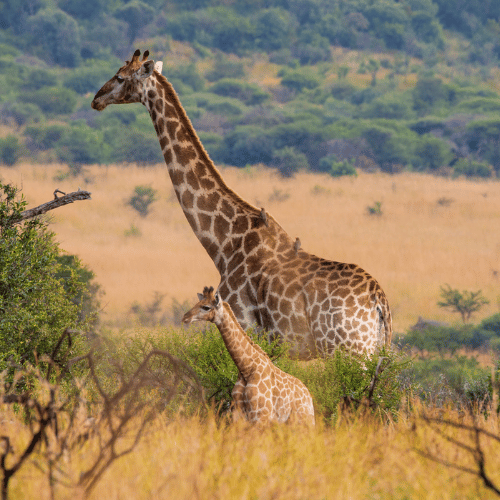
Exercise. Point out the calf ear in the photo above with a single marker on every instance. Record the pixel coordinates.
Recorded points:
(217, 300)
(200, 297)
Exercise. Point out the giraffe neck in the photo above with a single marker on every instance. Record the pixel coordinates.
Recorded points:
(214, 211)
(247, 355)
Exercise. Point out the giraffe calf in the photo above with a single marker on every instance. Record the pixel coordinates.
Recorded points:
(262, 392)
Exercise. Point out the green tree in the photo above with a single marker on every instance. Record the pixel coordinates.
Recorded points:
(465, 303)
(35, 305)
(10, 150)
(55, 37)
(136, 14)
(429, 92)
(248, 93)
(431, 153)
(141, 199)
(299, 81)
(274, 28)
(53, 100)
(288, 161)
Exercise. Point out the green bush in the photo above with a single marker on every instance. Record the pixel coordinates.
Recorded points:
(142, 198)
(53, 100)
(247, 145)
(343, 90)
(389, 107)
(188, 75)
(274, 29)
(431, 153)
(389, 147)
(87, 299)
(439, 339)
(81, 145)
(10, 150)
(225, 68)
(250, 94)
(288, 161)
(335, 168)
(339, 380)
(87, 79)
(55, 36)
(299, 81)
(487, 333)
(35, 304)
(21, 113)
(38, 78)
(460, 381)
(125, 144)
(44, 137)
(429, 93)
(471, 168)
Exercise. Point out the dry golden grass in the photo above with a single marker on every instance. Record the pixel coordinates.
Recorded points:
(193, 458)
(432, 231)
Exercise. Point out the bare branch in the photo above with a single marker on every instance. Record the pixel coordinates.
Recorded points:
(51, 205)
(475, 450)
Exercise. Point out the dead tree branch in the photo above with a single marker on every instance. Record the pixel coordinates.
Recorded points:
(473, 447)
(51, 205)
(107, 408)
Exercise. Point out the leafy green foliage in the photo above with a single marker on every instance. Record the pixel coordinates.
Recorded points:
(335, 382)
(288, 161)
(10, 150)
(445, 340)
(55, 36)
(471, 168)
(336, 168)
(53, 100)
(431, 337)
(246, 92)
(431, 153)
(35, 304)
(459, 381)
(344, 381)
(299, 81)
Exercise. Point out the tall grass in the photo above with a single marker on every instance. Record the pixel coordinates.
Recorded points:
(416, 246)
(197, 458)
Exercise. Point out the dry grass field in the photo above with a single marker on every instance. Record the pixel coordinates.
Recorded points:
(196, 459)
(432, 231)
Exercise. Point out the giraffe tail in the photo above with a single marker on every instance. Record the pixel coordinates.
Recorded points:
(385, 336)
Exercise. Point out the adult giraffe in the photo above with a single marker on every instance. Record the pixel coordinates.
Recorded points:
(315, 304)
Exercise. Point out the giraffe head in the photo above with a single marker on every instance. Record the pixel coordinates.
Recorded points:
(209, 306)
(128, 84)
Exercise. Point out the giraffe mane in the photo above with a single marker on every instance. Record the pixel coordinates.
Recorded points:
(174, 100)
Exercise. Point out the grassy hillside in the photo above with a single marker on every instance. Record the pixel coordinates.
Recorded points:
(431, 231)
(292, 84)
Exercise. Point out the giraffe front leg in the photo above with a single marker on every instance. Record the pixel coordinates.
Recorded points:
(238, 405)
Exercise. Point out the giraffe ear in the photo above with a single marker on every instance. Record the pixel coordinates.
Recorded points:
(147, 69)
(158, 66)
(217, 300)
(200, 296)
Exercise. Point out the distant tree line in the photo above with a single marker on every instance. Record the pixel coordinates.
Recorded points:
(54, 54)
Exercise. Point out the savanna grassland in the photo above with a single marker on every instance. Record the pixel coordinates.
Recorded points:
(431, 231)
(193, 458)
